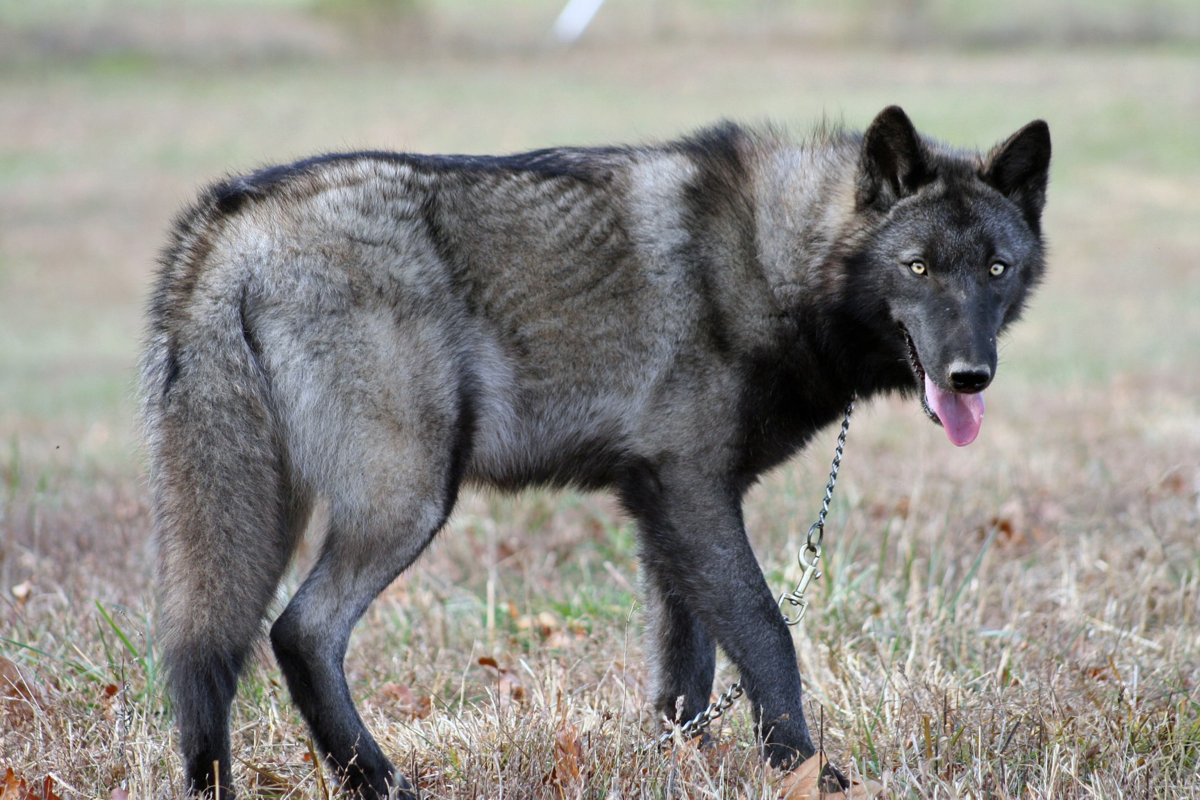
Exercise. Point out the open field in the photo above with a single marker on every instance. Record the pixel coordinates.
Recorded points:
(1019, 618)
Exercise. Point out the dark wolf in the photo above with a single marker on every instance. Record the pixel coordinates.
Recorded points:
(666, 322)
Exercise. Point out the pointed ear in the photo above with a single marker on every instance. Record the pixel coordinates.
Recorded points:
(892, 163)
(1019, 169)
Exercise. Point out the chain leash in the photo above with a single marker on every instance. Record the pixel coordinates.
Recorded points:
(812, 549)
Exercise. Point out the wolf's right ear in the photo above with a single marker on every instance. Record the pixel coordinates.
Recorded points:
(1019, 169)
(892, 163)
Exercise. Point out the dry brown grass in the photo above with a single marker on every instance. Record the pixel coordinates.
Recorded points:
(1021, 618)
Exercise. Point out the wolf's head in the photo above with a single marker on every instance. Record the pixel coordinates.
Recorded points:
(952, 246)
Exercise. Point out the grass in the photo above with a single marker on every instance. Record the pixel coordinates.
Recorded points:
(1019, 618)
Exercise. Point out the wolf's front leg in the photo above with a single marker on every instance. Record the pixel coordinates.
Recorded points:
(700, 569)
(682, 655)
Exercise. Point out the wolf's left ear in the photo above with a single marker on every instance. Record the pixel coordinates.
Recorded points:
(1019, 168)
(892, 163)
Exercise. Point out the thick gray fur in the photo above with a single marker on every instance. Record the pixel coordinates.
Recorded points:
(666, 322)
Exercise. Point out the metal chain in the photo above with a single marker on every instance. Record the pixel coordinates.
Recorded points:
(812, 547)
(816, 534)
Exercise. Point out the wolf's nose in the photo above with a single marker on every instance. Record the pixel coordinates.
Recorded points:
(967, 379)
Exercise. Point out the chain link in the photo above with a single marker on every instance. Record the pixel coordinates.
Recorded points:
(816, 534)
(694, 726)
(812, 547)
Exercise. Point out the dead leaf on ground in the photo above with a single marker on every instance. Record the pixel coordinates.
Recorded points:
(16, 789)
(508, 685)
(19, 694)
(407, 701)
(48, 790)
(554, 632)
(568, 756)
(544, 623)
(12, 789)
(804, 783)
(21, 592)
(1174, 482)
(112, 701)
(886, 510)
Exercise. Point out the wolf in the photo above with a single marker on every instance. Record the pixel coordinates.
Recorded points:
(666, 321)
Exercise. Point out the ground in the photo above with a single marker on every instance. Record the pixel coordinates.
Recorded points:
(1017, 618)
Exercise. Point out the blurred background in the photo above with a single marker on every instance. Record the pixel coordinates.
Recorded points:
(114, 112)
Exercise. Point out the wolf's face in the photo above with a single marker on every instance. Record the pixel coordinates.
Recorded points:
(953, 255)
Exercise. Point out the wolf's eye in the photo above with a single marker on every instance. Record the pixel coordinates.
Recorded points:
(997, 269)
(918, 267)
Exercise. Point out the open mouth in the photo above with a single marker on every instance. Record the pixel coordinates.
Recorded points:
(959, 414)
(914, 361)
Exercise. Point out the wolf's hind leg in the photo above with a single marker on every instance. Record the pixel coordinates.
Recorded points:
(682, 654)
(358, 561)
(390, 439)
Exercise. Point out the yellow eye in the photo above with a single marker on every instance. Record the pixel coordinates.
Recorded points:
(918, 267)
(997, 269)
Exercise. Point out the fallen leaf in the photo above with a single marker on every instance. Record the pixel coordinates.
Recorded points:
(804, 783)
(568, 754)
(883, 510)
(510, 689)
(508, 685)
(19, 694)
(544, 623)
(15, 681)
(47, 790)
(14, 789)
(1174, 482)
(21, 591)
(866, 789)
(112, 701)
(415, 706)
(563, 639)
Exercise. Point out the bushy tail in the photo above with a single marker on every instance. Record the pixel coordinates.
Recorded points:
(226, 518)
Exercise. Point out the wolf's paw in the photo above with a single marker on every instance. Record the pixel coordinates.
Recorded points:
(832, 780)
(817, 778)
(400, 788)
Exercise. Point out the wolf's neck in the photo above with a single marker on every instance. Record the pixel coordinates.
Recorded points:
(804, 205)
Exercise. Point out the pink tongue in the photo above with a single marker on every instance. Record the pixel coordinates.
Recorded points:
(961, 414)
